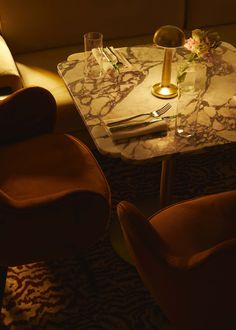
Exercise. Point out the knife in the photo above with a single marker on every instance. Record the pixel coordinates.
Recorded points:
(137, 125)
(115, 66)
(120, 57)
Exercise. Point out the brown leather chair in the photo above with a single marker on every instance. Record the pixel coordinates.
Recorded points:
(185, 255)
(54, 198)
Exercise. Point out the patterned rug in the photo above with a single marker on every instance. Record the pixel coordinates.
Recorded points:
(58, 295)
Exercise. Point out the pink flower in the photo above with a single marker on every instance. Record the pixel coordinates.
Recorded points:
(191, 44)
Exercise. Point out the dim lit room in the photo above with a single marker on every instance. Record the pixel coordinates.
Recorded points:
(117, 165)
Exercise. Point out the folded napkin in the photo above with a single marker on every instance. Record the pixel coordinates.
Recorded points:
(123, 134)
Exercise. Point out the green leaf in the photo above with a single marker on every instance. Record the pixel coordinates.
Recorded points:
(181, 77)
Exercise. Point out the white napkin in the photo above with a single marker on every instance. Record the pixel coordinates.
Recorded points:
(155, 127)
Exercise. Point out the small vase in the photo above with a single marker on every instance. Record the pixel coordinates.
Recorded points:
(190, 88)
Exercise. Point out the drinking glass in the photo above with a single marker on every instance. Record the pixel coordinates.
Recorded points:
(93, 45)
(189, 100)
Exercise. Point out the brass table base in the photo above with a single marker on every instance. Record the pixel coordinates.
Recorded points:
(163, 92)
(167, 177)
(166, 184)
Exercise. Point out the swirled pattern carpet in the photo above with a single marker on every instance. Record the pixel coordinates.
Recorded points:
(58, 295)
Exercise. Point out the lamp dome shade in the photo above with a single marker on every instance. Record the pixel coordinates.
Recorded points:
(169, 36)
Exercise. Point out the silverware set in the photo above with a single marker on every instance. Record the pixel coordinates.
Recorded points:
(134, 125)
(107, 55)
(115, 57)
(155, 113)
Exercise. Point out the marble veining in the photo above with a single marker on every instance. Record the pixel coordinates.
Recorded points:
(118, 95)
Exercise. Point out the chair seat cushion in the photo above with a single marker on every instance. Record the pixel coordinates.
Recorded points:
(196, 225)
(45, 169)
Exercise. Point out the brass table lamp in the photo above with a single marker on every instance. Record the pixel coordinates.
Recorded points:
(168, 37)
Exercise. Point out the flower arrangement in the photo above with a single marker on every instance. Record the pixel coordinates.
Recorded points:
(201, 46)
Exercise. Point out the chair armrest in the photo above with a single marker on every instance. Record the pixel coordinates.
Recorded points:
(196, 260)
(10, 79)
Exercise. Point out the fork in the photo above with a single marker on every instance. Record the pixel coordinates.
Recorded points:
(115, 66)
(155, 113)
(118, 62)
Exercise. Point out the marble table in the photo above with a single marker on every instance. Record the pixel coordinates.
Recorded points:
(127, 93)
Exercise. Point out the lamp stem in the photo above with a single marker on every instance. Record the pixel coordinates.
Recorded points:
(166, 70)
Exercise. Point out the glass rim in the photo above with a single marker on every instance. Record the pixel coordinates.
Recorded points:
(93, 35)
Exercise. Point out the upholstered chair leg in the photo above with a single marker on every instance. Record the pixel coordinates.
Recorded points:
(3, 277)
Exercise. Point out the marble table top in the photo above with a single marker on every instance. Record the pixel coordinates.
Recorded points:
(115, 96)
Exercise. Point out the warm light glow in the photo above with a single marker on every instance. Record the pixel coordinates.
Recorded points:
(165, 90)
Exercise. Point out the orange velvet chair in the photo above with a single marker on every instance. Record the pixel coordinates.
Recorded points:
(185, 255)
(54, 198)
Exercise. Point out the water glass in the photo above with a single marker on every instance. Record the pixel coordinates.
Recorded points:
(93, 45)
(187, 112)
(189, 100)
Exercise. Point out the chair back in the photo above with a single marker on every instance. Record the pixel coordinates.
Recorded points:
(194, 291)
